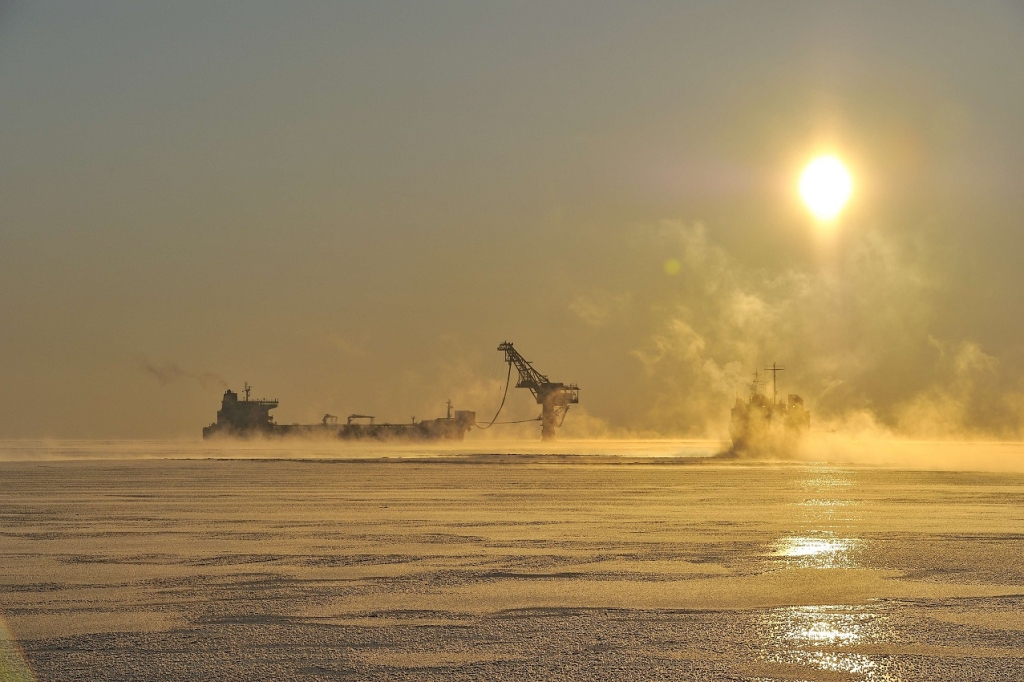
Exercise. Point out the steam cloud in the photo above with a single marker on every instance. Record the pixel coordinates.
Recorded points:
(855, 333)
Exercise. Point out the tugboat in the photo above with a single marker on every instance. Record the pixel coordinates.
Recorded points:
(759, 424)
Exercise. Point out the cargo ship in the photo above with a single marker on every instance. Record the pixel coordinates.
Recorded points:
(250, 417)
(763, 424)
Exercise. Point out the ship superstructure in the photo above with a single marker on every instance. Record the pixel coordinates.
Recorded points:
(242, 417)
(761, 423)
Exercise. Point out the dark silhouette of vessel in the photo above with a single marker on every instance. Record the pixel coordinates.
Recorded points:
(248, 417)
(760, 424)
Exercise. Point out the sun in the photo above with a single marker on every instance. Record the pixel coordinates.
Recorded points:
(825, 186)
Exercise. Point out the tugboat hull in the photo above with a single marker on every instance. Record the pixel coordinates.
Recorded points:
(760, 424)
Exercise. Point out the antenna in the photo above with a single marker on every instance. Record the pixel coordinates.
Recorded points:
(775, 369)
(247, 389)
(449, 401)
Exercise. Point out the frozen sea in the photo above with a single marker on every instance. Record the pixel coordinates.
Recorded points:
(641, 561)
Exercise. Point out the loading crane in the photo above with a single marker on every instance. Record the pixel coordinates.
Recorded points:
(553, 397)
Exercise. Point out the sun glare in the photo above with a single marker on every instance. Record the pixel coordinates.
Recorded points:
(825, 187)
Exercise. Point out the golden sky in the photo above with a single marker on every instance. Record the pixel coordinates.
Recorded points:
(350, 205)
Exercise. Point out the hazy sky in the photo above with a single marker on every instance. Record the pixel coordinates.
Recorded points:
(350, 205)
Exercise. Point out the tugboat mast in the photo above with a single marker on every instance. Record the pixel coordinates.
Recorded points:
(775, 369)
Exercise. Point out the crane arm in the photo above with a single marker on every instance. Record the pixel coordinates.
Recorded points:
(554, 398)
(528, 376)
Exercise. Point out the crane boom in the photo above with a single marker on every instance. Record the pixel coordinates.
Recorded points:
(553, 397)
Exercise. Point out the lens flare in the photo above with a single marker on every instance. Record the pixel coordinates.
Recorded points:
(826, 186)
(13, 667)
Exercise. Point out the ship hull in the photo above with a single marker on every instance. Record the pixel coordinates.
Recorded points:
(759, 426)
(251, 419)
(423, 431)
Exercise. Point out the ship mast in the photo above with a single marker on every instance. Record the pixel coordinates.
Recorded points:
(775, 369)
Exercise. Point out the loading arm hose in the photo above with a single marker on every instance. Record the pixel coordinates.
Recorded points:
(508, 380)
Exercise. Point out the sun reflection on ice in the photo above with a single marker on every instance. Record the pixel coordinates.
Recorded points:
(829, 639)
(822, 525)
(821, 637)
(818, 551)
(828, 513)
(828, 478)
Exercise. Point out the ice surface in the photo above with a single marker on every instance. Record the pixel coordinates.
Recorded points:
(526, 567)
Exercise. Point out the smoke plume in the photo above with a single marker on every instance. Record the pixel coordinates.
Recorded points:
(169, 373)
